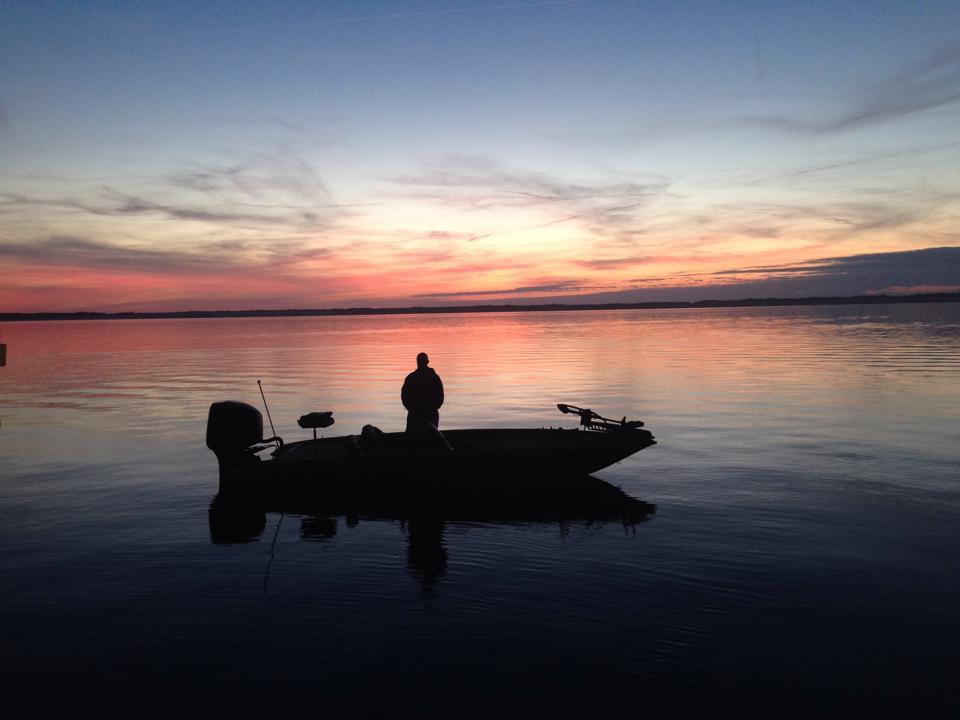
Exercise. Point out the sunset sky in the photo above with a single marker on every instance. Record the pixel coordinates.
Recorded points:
(240, 155)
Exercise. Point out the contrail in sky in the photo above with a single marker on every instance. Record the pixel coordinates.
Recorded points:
(401, 16)
(853, 163)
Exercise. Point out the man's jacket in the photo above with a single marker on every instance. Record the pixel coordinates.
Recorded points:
(422, 391)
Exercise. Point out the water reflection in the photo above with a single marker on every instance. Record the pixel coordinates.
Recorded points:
(317, 528)
(806, 548)
(426, 550)
(584, 501)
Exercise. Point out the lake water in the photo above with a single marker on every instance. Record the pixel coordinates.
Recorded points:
(803, 557)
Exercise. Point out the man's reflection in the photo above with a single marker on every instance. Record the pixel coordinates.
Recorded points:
(426, 550)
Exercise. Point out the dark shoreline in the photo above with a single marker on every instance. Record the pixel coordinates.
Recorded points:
(554, 307)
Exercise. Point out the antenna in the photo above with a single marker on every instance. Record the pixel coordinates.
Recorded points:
(267, 407)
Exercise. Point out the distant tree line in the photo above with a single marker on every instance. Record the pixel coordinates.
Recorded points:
(552, 307)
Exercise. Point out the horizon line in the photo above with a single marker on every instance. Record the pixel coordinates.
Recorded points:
(876, 299)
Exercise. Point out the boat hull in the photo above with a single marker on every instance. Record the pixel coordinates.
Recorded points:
(506, 461)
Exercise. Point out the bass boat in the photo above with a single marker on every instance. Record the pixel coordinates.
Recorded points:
(390, 464)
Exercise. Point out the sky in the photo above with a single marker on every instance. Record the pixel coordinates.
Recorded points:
(268, 155)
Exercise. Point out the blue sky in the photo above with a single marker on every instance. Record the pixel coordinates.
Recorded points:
(153, 155)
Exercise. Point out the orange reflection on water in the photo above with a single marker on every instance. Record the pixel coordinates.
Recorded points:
(511, 364)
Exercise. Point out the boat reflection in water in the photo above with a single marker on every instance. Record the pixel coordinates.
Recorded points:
(569, 501)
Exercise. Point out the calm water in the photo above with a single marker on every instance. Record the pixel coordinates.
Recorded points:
(804, 556)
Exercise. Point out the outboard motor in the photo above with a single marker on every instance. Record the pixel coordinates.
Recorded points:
(232, 427)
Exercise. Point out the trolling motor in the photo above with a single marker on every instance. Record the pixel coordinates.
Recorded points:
(589, 420)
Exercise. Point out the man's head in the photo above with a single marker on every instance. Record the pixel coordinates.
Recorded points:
(422, 360)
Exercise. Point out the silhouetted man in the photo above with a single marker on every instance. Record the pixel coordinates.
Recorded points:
(422, 395)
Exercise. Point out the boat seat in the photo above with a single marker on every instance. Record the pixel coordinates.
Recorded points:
(316, 420)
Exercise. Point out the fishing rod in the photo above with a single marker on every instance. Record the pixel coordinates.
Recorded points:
(273, 547)
(272, 429)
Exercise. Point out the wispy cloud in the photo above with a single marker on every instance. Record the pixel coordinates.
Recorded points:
(258, 191)
(83, 253)
(857, 162)
(254, 176)
(608, 263)
(608, 212)
(875, 213)
(381, 17)
(66, 251)
(563, 286)
(860, 217)
(275, 123)
(477, 181)
(930, 83)
(112, 203)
